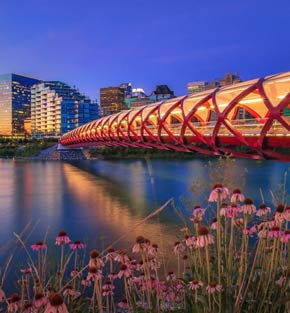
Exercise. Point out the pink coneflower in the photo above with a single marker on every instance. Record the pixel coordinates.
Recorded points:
(213, 287)
(39, 300)
(254, 228)
(178, 287)
(154, 282)
(140, 266)
(285, 237)
(263, 233)
(287, 213)
(26, 271)
(249, 207)
(170, 276)
(171, 296)
(121, 256)
(196, 220)
(39, 246)
(62, 238)
(123, 304)
(28, 308)
(248, 231)
(154, 263)
(86, 283)
(77, 245)
(195, 284)
(279, 213)
(272, 223)
(141, 244)
(112, 275)
(132, 264)
(178, 247)
(213, 224)
(218, 192)
(136, 280)
(107, 291)
(108, 288)
(198, 212)
(95, 259)
(189, 241)
(56, 304)
(110, 254)
(138, 246)
(263, 210)
(223, 209)
(239, 222)
(233, 210)
(13, 302)
(275, 232)
(124, 270)
(70, 291)
(94, 273)
(280, 282)
(75, 273)
(204, 238)
(153, 249)
(237, 196)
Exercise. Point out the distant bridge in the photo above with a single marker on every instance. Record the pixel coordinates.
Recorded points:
(249, 119)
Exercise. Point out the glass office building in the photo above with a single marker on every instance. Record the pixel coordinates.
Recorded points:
(57, 108)
(112, 100)
(15, 99)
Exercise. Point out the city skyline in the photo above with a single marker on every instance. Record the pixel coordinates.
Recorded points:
(93, 45)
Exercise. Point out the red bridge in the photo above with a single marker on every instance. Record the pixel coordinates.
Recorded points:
(250, 119)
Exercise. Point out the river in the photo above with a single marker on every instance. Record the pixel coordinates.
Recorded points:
(99, 201)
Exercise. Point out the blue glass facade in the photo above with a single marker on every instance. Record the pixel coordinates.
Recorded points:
(15, 103)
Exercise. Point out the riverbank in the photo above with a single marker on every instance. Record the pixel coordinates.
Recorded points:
(109, 153)
(24, 148)
(46, 149)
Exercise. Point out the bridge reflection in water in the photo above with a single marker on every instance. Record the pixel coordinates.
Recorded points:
(103, 204)
(249, 119)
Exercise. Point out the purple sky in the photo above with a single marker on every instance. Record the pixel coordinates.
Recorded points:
(99, 43)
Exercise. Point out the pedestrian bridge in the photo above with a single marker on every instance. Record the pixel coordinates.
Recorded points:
(249, 119)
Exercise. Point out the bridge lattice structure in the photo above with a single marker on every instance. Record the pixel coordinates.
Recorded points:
(249, 119)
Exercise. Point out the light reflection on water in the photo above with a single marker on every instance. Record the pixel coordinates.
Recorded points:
(99, 201)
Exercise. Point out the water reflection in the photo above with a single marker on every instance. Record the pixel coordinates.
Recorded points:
(101, 200)
(104, 204)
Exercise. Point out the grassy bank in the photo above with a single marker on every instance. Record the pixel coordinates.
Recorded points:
(13, 148)
(129, 152)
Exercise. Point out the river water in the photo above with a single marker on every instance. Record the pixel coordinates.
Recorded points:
(100, 201)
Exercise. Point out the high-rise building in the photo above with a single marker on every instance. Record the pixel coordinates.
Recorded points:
(136, 95)
(15, 102)
(161, 92)
(112, 100)
(57, 108)
(138, 102)
(228, 79)
(194, 87)
(127, 89)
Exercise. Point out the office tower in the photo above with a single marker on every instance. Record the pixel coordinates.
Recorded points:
(112, 100)
(15, 103)
(199, 86)
(195, 87)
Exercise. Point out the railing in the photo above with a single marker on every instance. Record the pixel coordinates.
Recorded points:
(247, 127)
